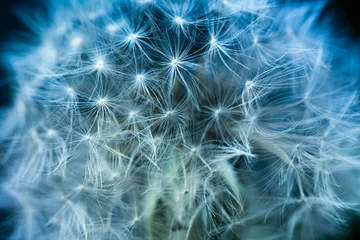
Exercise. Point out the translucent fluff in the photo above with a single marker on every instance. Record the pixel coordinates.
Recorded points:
(194, 119)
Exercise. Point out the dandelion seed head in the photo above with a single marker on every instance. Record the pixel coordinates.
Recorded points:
(180, 119)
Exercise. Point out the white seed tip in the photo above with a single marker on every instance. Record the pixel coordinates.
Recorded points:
(99, 64)
(51, 132)
(249, 84)
(112, 28)
(179, 20)
(88, 137)
(132, 37)
(213, 41)
(101, 101)
(114, 177)
(139, 77)
(174, 62)
(75, 42)
(70, 91)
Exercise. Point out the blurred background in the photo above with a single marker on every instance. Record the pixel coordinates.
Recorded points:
(346, 21)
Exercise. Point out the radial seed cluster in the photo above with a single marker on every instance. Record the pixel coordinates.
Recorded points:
(194, 119)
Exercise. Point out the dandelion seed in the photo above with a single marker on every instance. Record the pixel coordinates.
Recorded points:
(252, 118)
(49, 53)
(217, 112)
(179, 20)
(51, 132)
(101, 101)
(226, 2)
(249, 84)
(76, 42)
(70, 91)
(88, 138)
(174, 62)
(112, 28)
(140, 77)
(213, 41)
(132, 37)
(114, 177)
(99, 64)
(146, 1)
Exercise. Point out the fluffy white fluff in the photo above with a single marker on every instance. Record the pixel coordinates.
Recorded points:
(155, 119)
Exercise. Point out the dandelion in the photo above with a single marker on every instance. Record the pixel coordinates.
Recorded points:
(155, 119)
